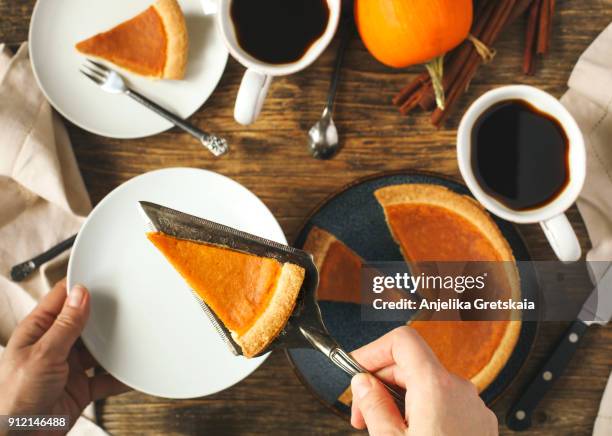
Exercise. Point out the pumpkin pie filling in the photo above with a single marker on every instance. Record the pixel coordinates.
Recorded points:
(424, 234)
(253, 296)
(145, 31)
(455, 345)
(339, 276)
(151, 44)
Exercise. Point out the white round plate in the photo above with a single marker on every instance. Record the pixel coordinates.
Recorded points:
(145, 327)
(57, 25)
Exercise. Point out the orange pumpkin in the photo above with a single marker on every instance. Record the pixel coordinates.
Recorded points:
(400, 33)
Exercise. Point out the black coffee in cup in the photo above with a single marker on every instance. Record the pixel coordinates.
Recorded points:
(278, 31)
(519, 155)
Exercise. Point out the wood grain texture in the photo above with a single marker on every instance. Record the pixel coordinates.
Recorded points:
(270, 159)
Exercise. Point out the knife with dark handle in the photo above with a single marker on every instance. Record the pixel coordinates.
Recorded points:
(519, 416)
(23, 270)
(597, 309)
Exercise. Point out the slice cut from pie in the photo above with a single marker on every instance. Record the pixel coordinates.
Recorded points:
(432, 223)
(341, 271)
(152, 44)
(253, 296)
(339, 267)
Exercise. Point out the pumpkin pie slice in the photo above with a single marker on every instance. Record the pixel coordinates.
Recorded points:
(341, 271)
(339, 267)
(432, 223)
(253, 296)
(153, 44)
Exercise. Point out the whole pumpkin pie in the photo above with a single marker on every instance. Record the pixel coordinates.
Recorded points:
(153, 44)
(253, 296)
(431, 223)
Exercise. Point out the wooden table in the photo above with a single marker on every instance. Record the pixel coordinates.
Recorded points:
(270, 159)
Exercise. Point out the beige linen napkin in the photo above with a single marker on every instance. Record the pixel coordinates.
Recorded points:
(42, 196)
(603, 423)
(589, 99)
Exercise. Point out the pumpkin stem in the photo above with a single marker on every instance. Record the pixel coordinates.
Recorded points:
(435, 67)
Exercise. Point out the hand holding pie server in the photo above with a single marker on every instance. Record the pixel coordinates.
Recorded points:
(437, 402)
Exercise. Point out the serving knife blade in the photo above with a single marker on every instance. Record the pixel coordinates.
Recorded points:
(597, 309)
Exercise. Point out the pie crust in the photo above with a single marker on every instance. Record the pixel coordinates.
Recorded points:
(153, 44)
(434, 196)
(178, 41)
(440, 196)
(275, 316)
(253, 296)
(317, 243)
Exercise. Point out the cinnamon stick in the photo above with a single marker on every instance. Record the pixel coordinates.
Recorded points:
(457, 63)
(412, 102)
(544, 18)
(499, 21)
(516, 11)
(452, 65)
(407, 91)
(530, 38)
(519, 9)
(491, 32)
(490, 18)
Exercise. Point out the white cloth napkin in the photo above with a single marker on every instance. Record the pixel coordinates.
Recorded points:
(42, 196)
(589, 99)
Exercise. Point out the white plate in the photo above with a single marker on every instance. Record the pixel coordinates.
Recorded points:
(145, 327)
(57, 25)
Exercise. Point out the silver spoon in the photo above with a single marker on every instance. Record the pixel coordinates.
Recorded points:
(323, 136)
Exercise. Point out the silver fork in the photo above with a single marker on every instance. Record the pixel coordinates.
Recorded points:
(111, 81)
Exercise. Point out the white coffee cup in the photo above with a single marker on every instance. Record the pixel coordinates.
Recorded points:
(551, 216)
(257, 78)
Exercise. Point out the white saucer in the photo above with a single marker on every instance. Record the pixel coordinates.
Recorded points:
(145, 327)
(57, 25)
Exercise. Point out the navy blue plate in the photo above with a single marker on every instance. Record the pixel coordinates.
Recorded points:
(354, 216)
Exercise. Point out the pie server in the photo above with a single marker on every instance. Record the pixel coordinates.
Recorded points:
(597, 309)
(305, 327)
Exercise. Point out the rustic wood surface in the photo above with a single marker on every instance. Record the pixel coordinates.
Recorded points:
(270, 159)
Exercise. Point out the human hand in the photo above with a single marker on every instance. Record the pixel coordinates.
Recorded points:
(42, 372)
(437, 402)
